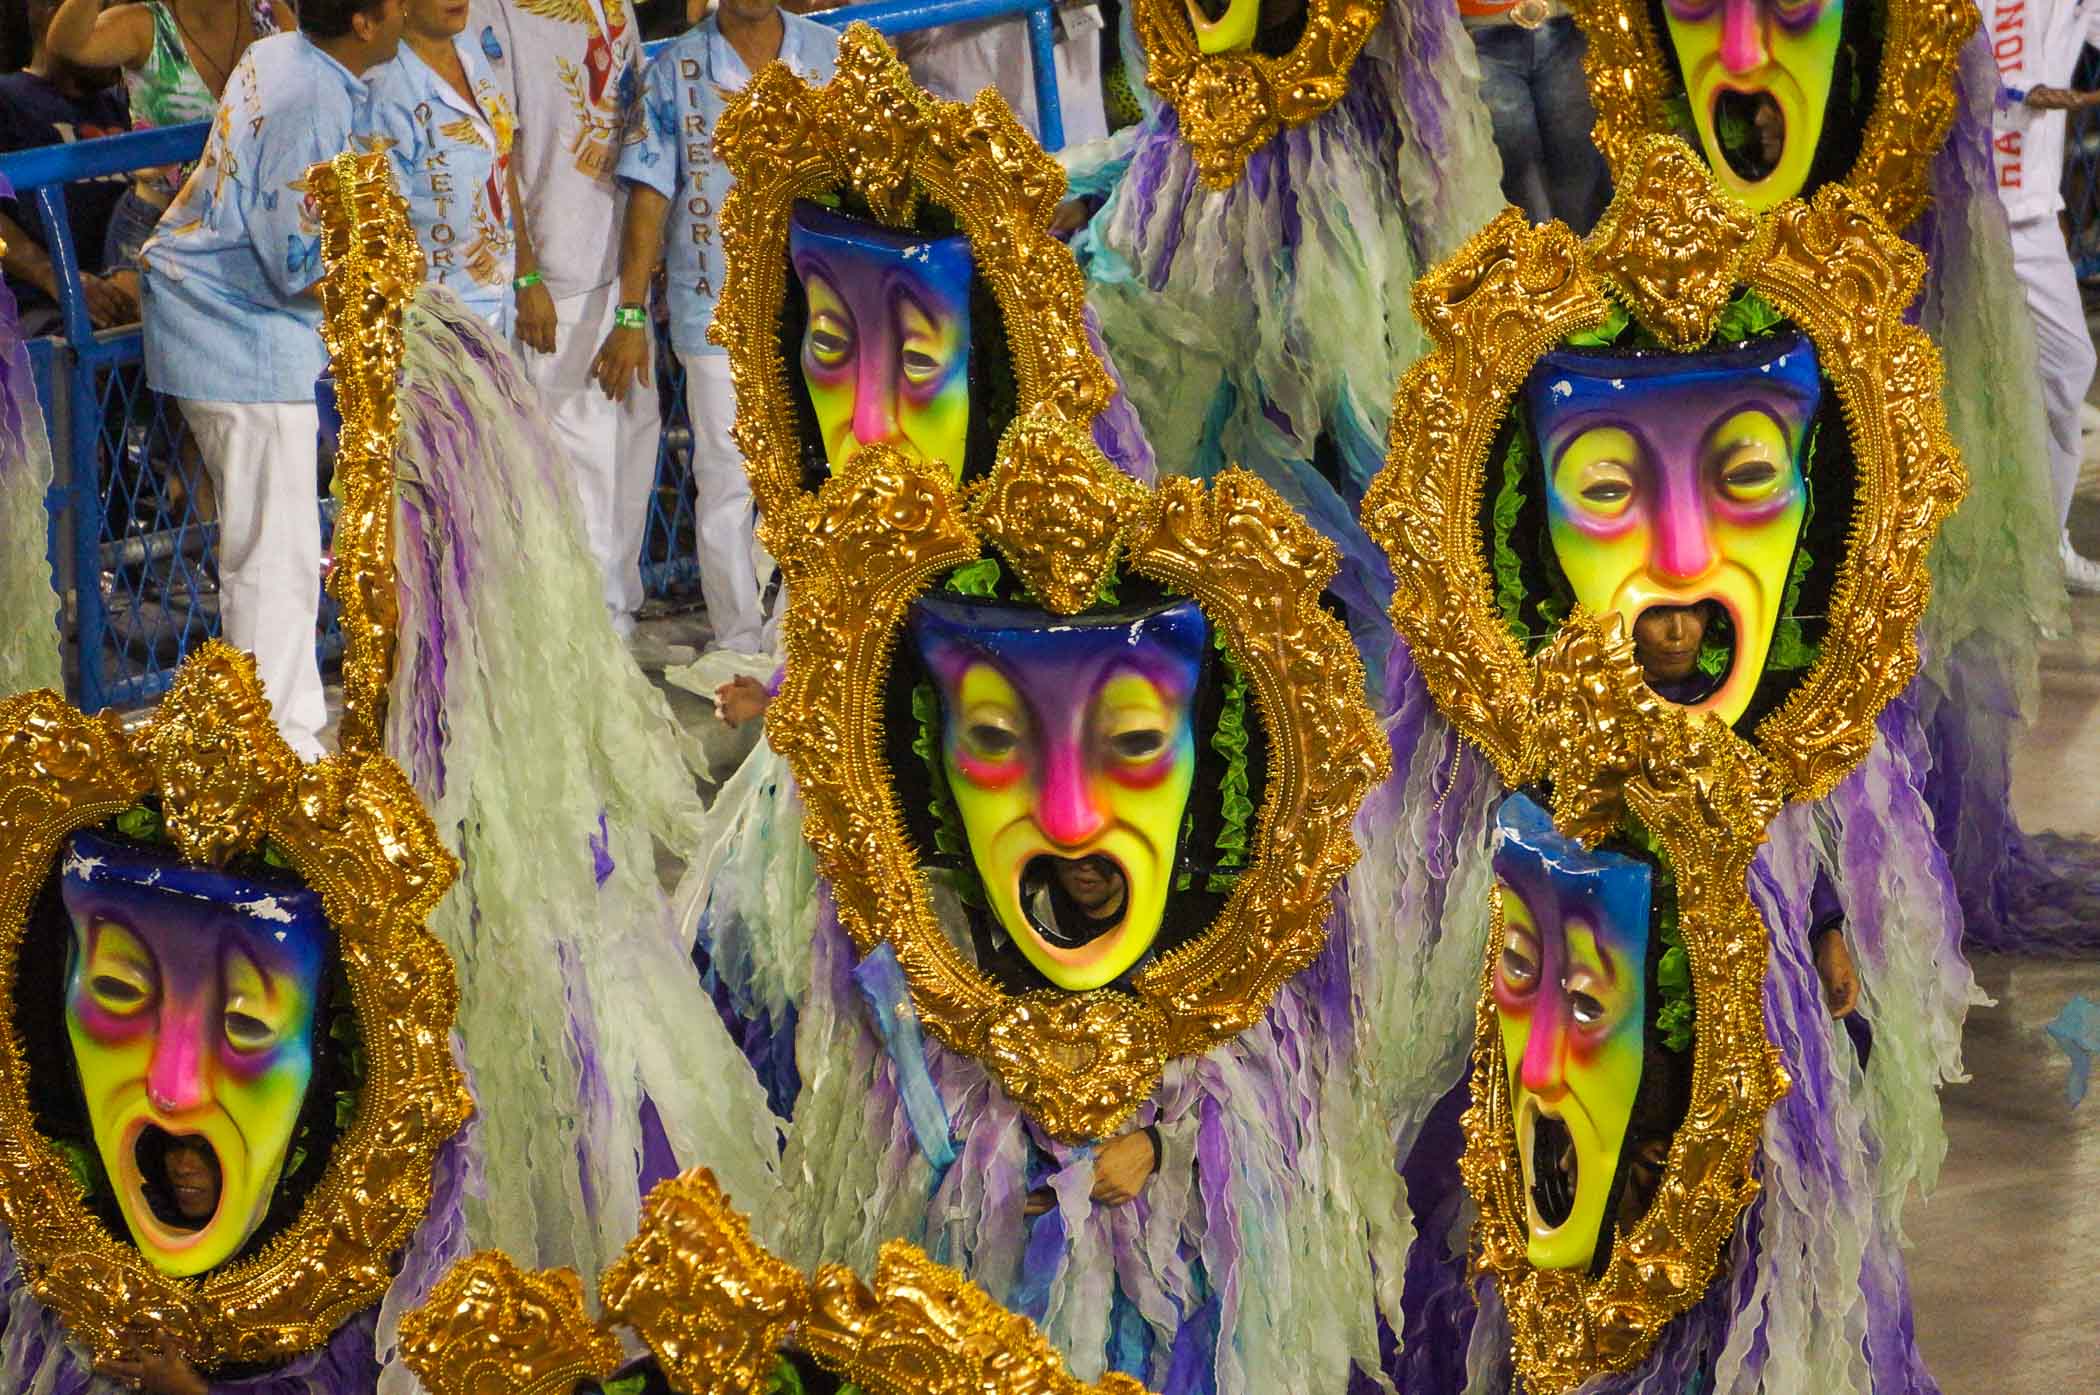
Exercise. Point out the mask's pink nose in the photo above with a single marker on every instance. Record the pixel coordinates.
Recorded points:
(1683, 550)
(1066, 810)
(1742, 35)
(875, 396)
(1543, 1070)
(176, 1078)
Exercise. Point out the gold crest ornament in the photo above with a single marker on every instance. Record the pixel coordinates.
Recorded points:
(1618, 758)
(1784, 92)
(718, 1312)
(1062, 524)
(1234, 85)
(205, 789)
(1665, 261)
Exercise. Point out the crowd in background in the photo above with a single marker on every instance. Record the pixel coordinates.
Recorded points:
(565, 188)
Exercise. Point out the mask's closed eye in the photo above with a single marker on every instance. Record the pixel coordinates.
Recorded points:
(258, 1014)
(1598, 473)
(122, 976)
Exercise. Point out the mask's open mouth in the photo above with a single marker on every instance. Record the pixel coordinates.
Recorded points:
(1689, 661)
(1072, 901)
(1553, 1171)
(1750, 128)
(1211, 10)
(181, 1178)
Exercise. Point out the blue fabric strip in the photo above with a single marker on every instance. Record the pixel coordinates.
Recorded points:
(880, 979)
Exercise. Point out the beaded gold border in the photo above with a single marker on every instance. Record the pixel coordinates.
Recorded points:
(1671, 249)
(354, 829)
(871, 128)
(1614, 748)
(1631, 82)
(1232, 104)
(856, 553)
(716, 1309)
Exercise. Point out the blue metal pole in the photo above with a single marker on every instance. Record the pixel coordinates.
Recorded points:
(894, 17)
(1042, 53)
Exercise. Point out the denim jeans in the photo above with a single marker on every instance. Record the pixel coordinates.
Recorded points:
(1532, 82)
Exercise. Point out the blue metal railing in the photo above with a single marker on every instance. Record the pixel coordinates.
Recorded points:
(132, 552)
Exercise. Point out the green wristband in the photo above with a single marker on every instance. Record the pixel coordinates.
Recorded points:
(530, 278)
(630, 317)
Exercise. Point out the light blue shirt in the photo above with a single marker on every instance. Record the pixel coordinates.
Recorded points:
(451, 162)
(226, 320)
(670, 148)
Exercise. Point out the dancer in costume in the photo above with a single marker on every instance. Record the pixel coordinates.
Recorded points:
(29, 655)
(1078, 804)
(1251, 260)
(1596, 491)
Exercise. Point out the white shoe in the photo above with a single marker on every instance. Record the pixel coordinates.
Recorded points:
(2081, 574)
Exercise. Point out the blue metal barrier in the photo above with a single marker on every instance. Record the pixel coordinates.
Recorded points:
(133, 546)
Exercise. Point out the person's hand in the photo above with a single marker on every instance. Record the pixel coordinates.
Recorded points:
(741, 699)
(111, 300)
(1070, 217)
(536, 318)
(1123, 1166)
(157, 1369)
(1834, 967)
(622, 361)
(2059, 98)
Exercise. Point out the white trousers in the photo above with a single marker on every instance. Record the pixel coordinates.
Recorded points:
(264, 461)
(2065, 345)
(722, 515)
(611, 445)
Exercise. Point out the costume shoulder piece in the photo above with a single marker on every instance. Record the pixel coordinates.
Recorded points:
(226, 1071)
(1081, 754)
(1718, 427)
(1782, 96)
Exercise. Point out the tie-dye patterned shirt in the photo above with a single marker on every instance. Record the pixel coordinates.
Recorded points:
(227, 317)
(451, 160)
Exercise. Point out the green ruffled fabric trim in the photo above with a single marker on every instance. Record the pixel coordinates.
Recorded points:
(1747, 316)
(1229, 740)
(1675, 1017)
(1509, 502)
(979, 578)
(1791, 649)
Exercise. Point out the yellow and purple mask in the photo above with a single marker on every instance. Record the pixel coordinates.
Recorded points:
(885, 351)
(1233, 26)
(1767, 67)
(190, 1006)
(1069, 745)
(1570, 997)
(1676, 479)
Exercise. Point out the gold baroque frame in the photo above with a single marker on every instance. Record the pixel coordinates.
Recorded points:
(873, 129)
(350, 824)
(856, 554)
(1232, 104)
(1631, 82)
(1612, 748)
(1672, 250)
(354, 829)
(715, 1308)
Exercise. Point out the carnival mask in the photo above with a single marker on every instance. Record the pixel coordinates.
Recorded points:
(1677, 481)
(1758, 75)
(1570, 999)
(190, 1005)
(885, 354)
(1069, 745)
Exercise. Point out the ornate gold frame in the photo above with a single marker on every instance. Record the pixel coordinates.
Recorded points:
(354, 829)
(1631, 81)
(1671, 250)
(856, 553)
(1230, 105)
(350, 824)
(1612, 748)
(715, 1308)
(871, 128)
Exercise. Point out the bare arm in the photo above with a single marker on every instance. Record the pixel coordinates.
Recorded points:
(85, 34)
(624, 357)
(287, 17)
(536, 321)
(25, 261)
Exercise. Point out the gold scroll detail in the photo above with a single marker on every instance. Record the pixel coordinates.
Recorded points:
(1632, 82)
(1513, 292)
(375, 266)
(716, 1310)
(353, 829)
(1612, 748)
(1232, 104)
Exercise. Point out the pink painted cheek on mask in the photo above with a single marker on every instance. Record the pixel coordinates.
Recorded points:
(985, 774)
(1163, 767)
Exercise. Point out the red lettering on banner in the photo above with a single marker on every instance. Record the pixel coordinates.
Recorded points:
(2009, 50)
